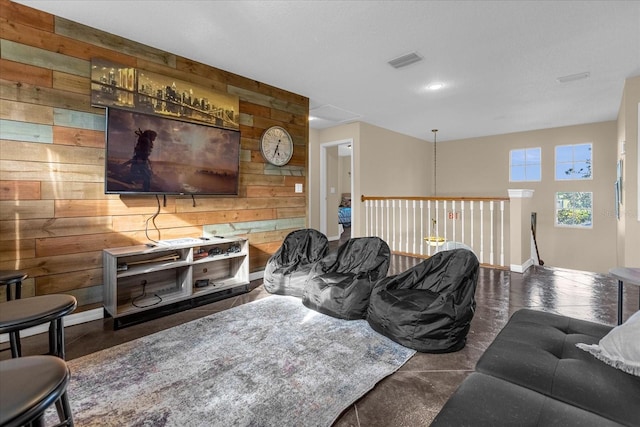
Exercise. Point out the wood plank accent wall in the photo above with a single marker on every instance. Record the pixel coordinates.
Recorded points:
(54, 216)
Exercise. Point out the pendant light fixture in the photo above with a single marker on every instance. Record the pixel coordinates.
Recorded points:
(433, 239)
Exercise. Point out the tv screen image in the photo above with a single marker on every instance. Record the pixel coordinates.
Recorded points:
(149, 154)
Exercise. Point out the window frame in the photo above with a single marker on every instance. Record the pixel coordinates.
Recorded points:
(573, 162)
(525, 164)
(556, 210)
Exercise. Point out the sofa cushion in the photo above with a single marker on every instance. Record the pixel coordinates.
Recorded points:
(620, 348)
(483, 400)
(537, 350)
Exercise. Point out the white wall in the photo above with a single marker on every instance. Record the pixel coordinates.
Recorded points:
(385, 163)
(480, 167)
(316, 138)
(628, 231)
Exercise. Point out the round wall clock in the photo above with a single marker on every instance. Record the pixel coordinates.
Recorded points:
(276, 146)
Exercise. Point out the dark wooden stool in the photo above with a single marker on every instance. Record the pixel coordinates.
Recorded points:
(13, 278)
(29, 385)
(20, 314)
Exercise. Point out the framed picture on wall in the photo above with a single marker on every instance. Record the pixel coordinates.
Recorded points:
(619, 182)
(616, 191)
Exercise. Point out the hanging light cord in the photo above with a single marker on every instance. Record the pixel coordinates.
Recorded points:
(435, 163)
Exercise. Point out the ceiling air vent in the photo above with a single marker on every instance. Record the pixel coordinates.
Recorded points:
(333, 114)
(404, 60)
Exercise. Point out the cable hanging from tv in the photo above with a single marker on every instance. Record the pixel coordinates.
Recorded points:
(144, 295)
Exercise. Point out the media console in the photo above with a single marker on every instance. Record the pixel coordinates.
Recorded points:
(144, 282)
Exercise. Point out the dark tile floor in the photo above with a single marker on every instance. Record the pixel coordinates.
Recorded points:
(414, 394)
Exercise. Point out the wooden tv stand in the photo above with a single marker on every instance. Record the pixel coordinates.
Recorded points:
(142, 282)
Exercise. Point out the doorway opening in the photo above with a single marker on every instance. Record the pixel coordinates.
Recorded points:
(336, 186)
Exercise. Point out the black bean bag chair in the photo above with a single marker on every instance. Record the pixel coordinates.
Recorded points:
(340, 284)
(428, 307)
(287, 269)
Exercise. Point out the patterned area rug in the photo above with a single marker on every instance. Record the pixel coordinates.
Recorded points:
(272, 362)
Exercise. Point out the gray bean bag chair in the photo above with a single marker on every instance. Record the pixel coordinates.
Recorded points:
(287, 269)
(428, 307)
(340, 284)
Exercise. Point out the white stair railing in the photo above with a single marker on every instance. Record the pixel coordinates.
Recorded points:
(421, 226)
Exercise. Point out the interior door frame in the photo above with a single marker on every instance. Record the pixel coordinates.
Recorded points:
(323, 182)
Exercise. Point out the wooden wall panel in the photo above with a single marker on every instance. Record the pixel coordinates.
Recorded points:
(54, 227)
(55, 217)
(107, 207)
(54, 42)
(45, 266)
(57, 154)
(109, 46)
(23, 131)
(17, 14)
(40, 171)
(18, 210)
(18, 72)
(21, 112)
(78, 137)
(61, 283)
(71, 83)
(51, 246)
(266, 191)
(32, 94)
(37, 57)
(13, 250)
(79, 119)
(20, 190)
(74, 190)
(291, 212)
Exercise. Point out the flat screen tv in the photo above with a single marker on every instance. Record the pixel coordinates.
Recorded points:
(148, 154)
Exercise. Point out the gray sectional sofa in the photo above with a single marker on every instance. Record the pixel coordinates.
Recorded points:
(533, 374)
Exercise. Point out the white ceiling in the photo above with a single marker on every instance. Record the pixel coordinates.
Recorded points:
(498, 60)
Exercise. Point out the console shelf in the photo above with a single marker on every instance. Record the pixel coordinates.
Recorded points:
(142, 282)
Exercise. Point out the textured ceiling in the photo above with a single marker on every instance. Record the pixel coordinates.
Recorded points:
(498, 60)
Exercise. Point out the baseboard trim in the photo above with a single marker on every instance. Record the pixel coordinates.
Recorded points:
(70, 320)
(516, 268)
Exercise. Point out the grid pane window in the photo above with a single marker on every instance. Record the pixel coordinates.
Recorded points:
(573, 162)
(525, 165)
(574, 209)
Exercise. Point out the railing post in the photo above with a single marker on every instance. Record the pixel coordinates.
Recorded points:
(388, 222)
(462, 220)
(502, 232)
(393, 233)
(421, 227)
(414, 226)
(471, 222)
(481, 231)
(491, 250)
(453, 219)
(520, 230)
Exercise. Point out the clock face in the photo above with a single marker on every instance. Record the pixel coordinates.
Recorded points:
(276, 146)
